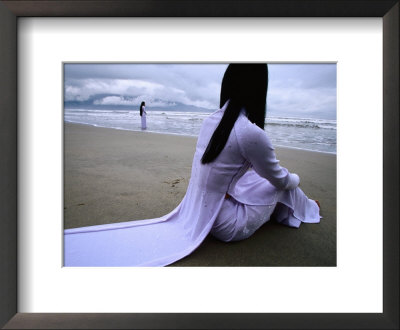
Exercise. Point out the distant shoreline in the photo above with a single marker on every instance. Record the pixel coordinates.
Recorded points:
(186, 135)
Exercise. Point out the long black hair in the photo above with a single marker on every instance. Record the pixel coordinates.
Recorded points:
(245, 86)
(141, 108)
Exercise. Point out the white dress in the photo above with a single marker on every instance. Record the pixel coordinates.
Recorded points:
(143, 118)
(204, 209)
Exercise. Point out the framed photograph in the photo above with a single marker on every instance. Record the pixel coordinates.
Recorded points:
(120, 149)
(40, 284)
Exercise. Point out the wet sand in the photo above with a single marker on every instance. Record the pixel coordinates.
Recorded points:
(113, 176)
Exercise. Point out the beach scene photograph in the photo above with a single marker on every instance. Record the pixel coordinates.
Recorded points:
(200, 164)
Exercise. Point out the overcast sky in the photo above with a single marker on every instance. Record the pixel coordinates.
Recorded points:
(299, 90)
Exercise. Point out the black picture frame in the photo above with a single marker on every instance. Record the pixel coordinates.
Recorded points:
(12, 9)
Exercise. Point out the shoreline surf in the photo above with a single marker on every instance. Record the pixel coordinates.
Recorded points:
(186, 135)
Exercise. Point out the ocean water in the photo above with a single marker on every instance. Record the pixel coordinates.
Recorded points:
(302, 133)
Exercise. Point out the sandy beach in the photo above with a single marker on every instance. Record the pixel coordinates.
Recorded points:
(114, 175)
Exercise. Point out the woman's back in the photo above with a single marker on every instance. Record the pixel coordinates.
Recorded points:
(247, 145)
(217, 175)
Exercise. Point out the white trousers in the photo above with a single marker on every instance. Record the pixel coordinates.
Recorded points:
(237, 221)
(143, 117)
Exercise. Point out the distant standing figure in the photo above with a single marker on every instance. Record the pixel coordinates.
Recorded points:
(143, 114)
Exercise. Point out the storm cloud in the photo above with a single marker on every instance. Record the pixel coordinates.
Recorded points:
(299, 90)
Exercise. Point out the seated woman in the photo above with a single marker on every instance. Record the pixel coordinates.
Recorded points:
(236, 184)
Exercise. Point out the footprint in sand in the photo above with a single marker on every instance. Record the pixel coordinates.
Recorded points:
(173, 182)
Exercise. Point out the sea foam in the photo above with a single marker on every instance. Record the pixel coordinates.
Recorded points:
(301, 133)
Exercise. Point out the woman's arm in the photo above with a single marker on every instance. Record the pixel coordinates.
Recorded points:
(256, 147)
